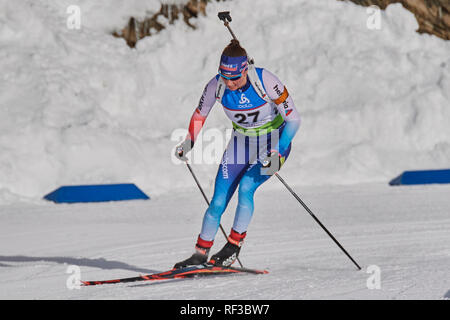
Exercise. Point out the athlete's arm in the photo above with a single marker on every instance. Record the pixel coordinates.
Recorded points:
(200, 114)
(285, 105)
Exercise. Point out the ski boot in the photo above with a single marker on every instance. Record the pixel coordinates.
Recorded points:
(230, 252)
(200, 255)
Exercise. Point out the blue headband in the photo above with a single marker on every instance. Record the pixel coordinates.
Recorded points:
(232, 67)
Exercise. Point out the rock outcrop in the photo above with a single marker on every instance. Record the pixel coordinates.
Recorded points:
(136, 29)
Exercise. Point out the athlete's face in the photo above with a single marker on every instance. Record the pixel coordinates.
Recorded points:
(236, 84)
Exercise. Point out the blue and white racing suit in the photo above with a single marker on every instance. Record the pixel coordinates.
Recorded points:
(259, 127)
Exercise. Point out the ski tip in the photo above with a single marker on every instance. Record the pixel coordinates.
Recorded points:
(254, 271)
(259, 271)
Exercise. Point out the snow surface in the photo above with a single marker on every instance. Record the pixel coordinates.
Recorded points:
(373, 102)
(402, 231)
(79, 106)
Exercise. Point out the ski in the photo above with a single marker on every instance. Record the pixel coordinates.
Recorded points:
(187, 272)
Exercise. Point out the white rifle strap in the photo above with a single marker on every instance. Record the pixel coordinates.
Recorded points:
(220, 89)
(256, 83)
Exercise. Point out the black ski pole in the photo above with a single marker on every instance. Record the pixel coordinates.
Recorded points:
(226, 18)
(317, 220)
(207, 201)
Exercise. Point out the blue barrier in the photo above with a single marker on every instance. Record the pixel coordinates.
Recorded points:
(422, 177)
(96, 193)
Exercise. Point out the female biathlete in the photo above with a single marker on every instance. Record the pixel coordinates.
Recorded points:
(265, 121)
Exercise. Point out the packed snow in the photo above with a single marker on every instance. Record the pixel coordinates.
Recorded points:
(401, 233)
(78, 106)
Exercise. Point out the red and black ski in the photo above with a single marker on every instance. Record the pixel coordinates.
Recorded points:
(187, 272)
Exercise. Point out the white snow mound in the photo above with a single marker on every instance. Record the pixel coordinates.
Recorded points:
(79, 106)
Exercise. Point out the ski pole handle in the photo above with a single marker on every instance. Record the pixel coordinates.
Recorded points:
(226, 18)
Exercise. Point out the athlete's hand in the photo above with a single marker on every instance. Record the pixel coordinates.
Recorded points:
(183, 149)
(272, 163)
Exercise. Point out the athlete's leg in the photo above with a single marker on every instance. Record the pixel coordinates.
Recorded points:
(250, 181)
(234, 164)
(228, 176)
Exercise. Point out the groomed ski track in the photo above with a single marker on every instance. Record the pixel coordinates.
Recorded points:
(402, 230)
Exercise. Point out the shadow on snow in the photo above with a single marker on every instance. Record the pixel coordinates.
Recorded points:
(95, 263)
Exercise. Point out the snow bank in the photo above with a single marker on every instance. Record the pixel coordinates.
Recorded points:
(79, 106)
